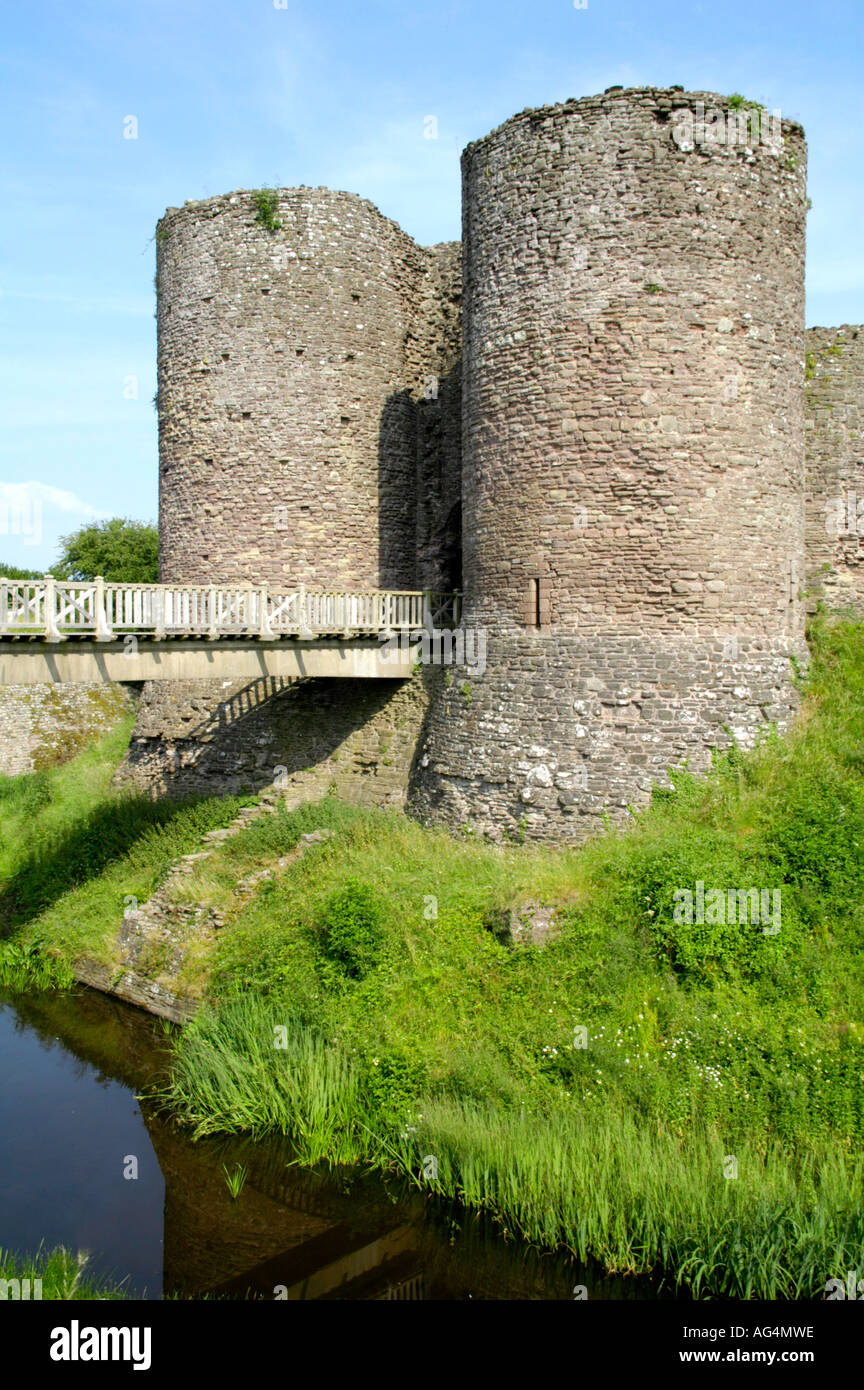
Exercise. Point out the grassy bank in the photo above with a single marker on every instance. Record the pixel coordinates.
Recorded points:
(74, 852)
(414, 1032)
(605, 1181)
(662, 1095)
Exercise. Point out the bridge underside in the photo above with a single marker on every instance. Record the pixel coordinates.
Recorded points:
(61, 663)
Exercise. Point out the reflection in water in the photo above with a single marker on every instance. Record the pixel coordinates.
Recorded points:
(70, 1121)
(68, 1124)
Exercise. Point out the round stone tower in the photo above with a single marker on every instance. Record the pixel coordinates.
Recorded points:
(294, 335)
(632, 455)
(834, 405)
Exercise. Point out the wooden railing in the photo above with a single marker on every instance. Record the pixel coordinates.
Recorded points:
(54, 609)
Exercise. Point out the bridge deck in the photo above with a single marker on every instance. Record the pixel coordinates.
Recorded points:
(57, 631)
(54, 610)
(140, 659)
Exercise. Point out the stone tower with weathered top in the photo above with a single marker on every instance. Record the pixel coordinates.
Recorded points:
(296, 350)
(633, 457)
(624, 442)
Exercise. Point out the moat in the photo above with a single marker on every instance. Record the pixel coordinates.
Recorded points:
(73, 1122)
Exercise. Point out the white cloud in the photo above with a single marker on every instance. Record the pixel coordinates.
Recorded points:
(28, 495)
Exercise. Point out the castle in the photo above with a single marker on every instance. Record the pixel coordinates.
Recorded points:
(590, 418)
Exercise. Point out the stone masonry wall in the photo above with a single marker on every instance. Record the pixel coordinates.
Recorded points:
(632, 458)
(358, 737)
(439, 432)
(556, 733)
(630, 400)
(834, 395)
(310, 416)
(43, 725)
(291, 365)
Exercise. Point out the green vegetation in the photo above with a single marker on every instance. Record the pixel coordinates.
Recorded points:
(122, 551)
(64, 1276)
(682, 1097)
(738, 103)
(29, 967)
(235, 1179)
(74, 852)
(651, 288)
(599, 1179)
(350, 928)
(266, 201)
(12, 572)
(705, 1042)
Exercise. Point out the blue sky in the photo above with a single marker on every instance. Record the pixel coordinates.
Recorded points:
(240, 93)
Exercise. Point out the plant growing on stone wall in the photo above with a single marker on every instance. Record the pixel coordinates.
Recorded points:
(266, 201)
(739, 103)
(791, 158)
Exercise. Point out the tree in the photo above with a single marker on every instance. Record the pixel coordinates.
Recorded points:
(13, 572)
(122, 551)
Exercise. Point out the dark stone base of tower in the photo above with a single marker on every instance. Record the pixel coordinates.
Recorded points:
(560, 734)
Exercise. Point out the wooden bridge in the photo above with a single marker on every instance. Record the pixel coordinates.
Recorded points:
(58, 631)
